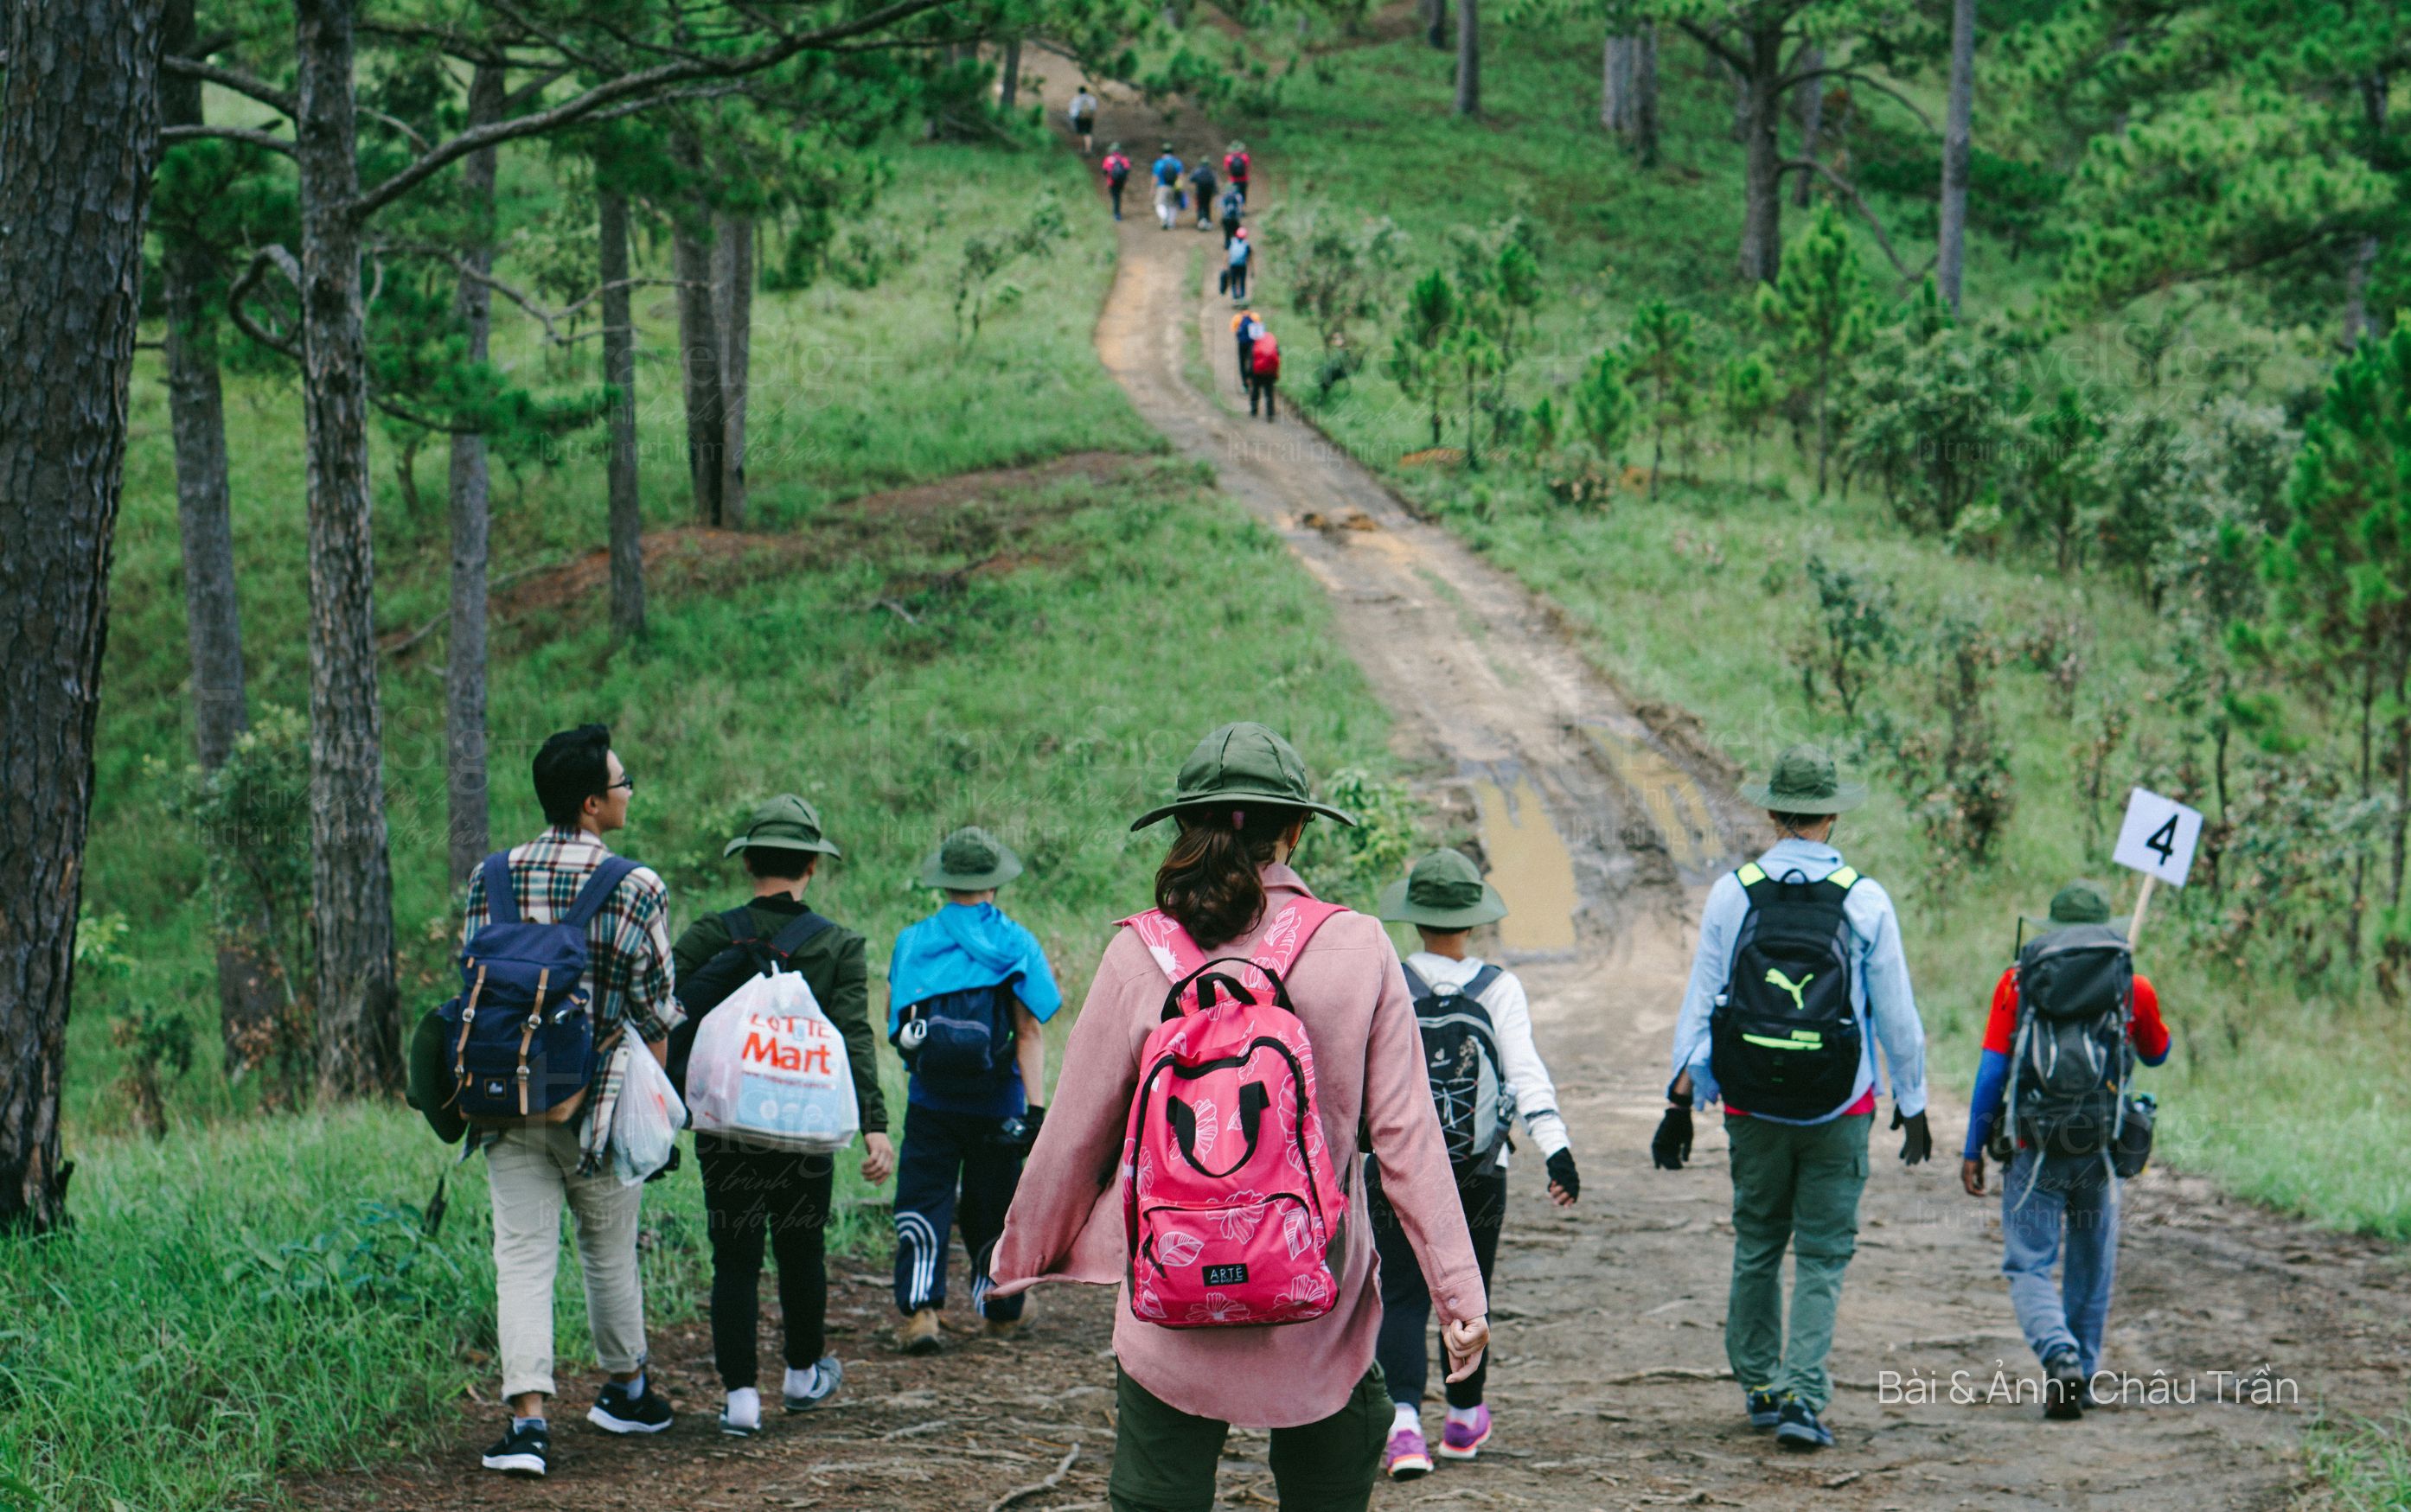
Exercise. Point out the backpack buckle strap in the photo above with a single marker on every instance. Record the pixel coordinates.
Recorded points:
(468, 1016)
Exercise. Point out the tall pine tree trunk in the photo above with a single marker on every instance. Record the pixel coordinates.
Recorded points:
(1008, 91)
(79, 139)
(351, 885)
(619, 372)
(1957, 126)
(732, 309)
(1644, 132)
(2364, 255)
(1469, 57)
(1616, 83)
(1435, 18)
(464, 662)
(699, 362)
(1761, 230)
(1809, 99)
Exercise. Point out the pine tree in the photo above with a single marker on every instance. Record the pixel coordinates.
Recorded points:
(1819, 315)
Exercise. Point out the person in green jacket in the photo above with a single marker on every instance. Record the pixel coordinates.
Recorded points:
(752, 1196)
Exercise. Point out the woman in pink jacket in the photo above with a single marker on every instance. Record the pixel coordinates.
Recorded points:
(1243, 802)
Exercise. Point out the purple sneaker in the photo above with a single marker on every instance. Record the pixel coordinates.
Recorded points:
(1406, 1458)
(1463, 1441)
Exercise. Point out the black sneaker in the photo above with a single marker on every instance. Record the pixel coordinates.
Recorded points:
(1797, 1428)
(520, 1451)
(2062, 1387)
(1765, 1407)
(616, 1411)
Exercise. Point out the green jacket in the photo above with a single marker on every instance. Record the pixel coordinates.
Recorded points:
(833, 962)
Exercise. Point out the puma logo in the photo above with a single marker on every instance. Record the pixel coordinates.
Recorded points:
(1794, 988)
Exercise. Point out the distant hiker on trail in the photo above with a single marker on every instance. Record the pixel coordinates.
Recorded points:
(754, 1191)
(1201, 181)
(1241, 252)
(968, 992)
(2068, 1021)
(1166, 171)
(1234, 167)
(1233, 205)
(1799, 973)
(556, 1155)
(1241, 1300)
(1264, 372)
(1484, 1072)
(1083, 112)
(1117, 169)
(1246, 329)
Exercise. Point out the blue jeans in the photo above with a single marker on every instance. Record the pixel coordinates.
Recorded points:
(2046, 1204)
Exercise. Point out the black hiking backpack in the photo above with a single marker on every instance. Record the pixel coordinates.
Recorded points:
(745, 956)
(1784, 1038)
(2070, 1061)
(1461, 1056)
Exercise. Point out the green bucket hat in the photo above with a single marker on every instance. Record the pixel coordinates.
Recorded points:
(1805, 782)
(2080, 902)
(1239, 765)
(430, 1089)
(786, 822)
(971, 860)
(1443, 891)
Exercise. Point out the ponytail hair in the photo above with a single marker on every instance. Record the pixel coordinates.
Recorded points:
(1208, 881)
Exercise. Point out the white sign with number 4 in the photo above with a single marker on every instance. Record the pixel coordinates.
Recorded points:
(2157, 836)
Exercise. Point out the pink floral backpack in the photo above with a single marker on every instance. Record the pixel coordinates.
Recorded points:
(1229, 1199)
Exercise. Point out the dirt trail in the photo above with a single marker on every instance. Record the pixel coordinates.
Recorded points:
(1604, 823)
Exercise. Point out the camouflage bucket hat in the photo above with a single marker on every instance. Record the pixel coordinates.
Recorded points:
(786, 822)
(1805, 782)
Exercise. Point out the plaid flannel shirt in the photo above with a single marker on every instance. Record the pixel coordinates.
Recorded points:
(628, 967)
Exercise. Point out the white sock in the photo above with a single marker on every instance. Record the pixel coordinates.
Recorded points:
(744, 1408)
(1463, 1415)
(803, 1383)
(1407, 1416)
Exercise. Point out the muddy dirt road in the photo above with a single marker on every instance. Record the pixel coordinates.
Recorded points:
(1602, 822)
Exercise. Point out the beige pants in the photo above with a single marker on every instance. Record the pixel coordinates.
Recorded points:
(530, 1171)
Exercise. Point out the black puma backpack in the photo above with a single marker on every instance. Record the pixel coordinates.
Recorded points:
(1784, 1038)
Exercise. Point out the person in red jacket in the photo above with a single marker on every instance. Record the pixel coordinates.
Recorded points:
(2051, 1203)
(1234, 167)
(1264, 372)
(1117, 169)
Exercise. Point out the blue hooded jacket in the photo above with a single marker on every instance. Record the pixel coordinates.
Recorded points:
(962, 946)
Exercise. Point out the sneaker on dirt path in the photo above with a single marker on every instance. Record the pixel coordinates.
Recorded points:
(1463, 1440)
(827, 1376)
(1406, 1458)
(2064, 1387)
(1797, 1428)
(616, 1411)
(1765, 1407)
(919, 1335)
(1003, 1328)
(520, 1451)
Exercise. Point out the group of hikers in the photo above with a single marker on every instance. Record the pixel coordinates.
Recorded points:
(1167, 175)
(1254, 1079)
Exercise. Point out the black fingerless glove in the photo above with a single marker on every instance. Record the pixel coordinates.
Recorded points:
(1032, 1118)
(1918, 1143)
(1672, 1144)
(1562, 1171)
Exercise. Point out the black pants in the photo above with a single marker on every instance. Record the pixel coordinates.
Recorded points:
(1260, 386)
(953, 1170)
(1247, 350)
(1405, 1300)
(1238, 281)
(1115, 190)
(1230, 234)
(750, 1196)
(1241, 184)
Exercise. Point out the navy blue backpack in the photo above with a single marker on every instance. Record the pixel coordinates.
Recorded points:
(960, 1042)
(522, 1033)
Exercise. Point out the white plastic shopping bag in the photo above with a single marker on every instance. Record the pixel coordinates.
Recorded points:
(646, 1121)
(771, 1070)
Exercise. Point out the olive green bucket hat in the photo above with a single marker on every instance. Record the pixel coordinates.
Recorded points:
(1805, 782)
(971, 860)
(786, 822)
(2080, 902)
(1239, 765)
(1443, 891)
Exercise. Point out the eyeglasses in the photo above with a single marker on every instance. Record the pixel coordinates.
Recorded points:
(627, 782)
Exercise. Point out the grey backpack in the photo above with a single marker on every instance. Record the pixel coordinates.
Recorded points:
(1461, 1057)
(2071, 1060)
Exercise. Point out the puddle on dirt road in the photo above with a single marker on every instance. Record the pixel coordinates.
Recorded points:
(1528, 864)
(1675, 806)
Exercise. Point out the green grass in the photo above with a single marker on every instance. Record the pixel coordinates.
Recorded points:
(247, 1298)
(2364, 1465)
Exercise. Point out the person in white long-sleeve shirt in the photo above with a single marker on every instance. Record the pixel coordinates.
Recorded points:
(1469, 1009)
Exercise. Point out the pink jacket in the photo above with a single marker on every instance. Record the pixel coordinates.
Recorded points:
(1066, 1220)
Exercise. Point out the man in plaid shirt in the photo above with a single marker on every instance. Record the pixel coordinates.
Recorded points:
(534, 1169)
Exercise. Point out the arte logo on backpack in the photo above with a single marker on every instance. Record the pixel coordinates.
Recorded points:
(1784, 1038)
(1229, 1199)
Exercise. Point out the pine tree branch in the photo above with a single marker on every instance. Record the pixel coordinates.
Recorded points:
(171, 135)
(261, 262)
(1868, 80)
(1850, 192)
(1706, 38)
(242, 84)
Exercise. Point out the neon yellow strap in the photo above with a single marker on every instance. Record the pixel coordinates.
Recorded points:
(1813, 1041)
(1843, 877)
(1751, 875)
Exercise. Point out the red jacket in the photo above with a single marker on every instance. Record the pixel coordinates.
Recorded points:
(2150, 1035)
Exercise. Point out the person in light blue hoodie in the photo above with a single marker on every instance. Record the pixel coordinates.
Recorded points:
(967, 992)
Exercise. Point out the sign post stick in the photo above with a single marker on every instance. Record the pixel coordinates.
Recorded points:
(2143, 902)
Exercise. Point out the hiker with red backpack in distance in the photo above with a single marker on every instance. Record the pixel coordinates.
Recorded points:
(1117, 169)
(1238, 1039)
(968, 995)
(1234, 167)
(1264, 372)
(769, 1187)
(1799, 974)
(2068, 1021)
(1237, 258)
(1246, 327)
(565, 960)
(1484, 1071)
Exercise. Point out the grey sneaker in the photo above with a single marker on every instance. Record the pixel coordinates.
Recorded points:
(827, 1376)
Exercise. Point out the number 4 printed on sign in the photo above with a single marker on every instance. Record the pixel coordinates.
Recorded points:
(2156, 838)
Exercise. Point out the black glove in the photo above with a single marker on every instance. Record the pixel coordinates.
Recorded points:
(1672, 1144)
(1562, 1171)
(1918, 1143)
(1021, 1133)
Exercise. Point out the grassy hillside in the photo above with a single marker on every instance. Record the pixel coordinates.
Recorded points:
(2284, 1084)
